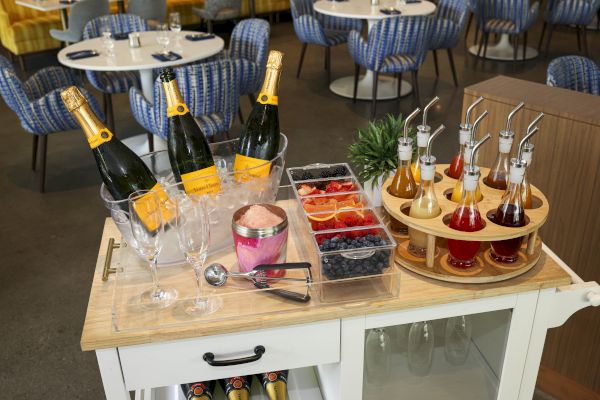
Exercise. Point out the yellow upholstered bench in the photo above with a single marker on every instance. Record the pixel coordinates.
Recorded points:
(24, 30)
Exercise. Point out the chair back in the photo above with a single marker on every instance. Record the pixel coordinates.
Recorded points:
(83, 12)
(117, 23)
(301, 7)
(250, 41)
(516, 11)
(12, 89)
(399, 35)
(155, 10)
(575, 73)
(207, 88)
(454, 10)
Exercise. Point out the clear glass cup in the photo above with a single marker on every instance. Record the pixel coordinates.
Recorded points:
(162, 36)
(193, 231)
(147, 228)
(108, 43)
(420, 347)
(175, 23)
(378, 353)
(457, 339)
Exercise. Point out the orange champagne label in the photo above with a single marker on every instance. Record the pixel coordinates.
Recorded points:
(264, 98)
(102, 136)
(145, 210)
(255, 167)
(177, 109)
(203, 181)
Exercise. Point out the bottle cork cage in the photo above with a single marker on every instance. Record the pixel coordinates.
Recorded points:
(435, 264)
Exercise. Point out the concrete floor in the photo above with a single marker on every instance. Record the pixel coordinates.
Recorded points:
(50, 241)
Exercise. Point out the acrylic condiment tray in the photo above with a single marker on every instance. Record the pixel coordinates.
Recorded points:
(435, 264)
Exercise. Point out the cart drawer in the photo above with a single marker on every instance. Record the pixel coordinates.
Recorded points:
(169, 363)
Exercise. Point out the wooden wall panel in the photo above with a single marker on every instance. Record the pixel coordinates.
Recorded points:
(566, 167)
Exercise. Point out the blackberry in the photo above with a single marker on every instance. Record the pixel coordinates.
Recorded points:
(326, 174)
(340, 171)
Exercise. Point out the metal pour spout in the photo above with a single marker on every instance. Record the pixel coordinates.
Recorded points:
(408, 120)
(432, 137)
(470, 110)
(512, 114)
(475, 148)
(476, 124)
(427, 107)
(525, 140)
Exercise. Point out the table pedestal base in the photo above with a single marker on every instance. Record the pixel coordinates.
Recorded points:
(503, 51)
(387, 87)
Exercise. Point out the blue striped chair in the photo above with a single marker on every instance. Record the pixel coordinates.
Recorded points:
(575, 73)
(450, 19)
(569, 12)
(210, 90)
(315, 28)
(39, 107)
(395, 45)
(510, 17)
(111, 82)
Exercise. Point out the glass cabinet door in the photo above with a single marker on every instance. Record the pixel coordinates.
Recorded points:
(452, 358)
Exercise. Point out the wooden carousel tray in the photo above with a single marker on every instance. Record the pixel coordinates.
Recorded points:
(435, 264)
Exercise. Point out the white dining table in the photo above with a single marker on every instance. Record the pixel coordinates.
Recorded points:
(56, 5)
(140, 59)
(362, 9)
(503, 51)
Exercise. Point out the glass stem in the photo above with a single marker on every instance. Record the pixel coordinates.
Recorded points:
(154, 273)
(199, 281)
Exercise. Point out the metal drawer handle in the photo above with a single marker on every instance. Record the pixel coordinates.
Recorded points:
(107, 261)
(210, 358)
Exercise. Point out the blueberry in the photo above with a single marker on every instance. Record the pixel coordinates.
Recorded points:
(343, 246)
(335, 240)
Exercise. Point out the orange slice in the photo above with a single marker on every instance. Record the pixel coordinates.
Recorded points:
(343, 214)
(321, 217)
(315, 208)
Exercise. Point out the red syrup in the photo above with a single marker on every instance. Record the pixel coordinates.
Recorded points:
(463, 252)
(511, 215)
(456, 167)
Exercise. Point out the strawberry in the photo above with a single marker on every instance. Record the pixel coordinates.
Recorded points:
(348, 186)
(333, 186)
(305, 190)
(339, 225)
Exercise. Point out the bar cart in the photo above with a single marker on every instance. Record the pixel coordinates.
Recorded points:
(325, 343)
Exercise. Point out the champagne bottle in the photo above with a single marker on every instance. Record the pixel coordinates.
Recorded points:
(189, 153)
(275, 384)
(122, 171)
(237, 387)
(199, 390)
(259, 142)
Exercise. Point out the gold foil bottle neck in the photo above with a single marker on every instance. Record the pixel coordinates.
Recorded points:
(276, 390)
(275, 60)
(73, 98)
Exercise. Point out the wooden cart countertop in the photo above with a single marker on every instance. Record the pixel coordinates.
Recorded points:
(415, 291)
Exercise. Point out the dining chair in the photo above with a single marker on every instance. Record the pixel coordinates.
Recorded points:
(210, 90)
(81, 13)
(39, 107)
(149, 10)
(112, 82)
(319, 29)
(575, 73)
(219, 10)
(510, 17)
(395, 45)
(472, 6)
(450, 19)
(579, 13)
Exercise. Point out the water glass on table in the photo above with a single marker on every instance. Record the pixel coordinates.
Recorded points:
(193, 231)
(175, 24)
(162, 37)
(148, 229)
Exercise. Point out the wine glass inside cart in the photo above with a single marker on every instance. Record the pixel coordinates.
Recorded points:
(237, 190)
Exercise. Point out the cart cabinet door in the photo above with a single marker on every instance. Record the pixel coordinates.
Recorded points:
(169, 363)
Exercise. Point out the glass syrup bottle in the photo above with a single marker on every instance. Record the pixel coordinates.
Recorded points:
(403, 185)
(457, 191)
(425, 204)
(466, 217)
(498, 176)
(511, 211)
(527, 158)
(423, 133)
(464, 135)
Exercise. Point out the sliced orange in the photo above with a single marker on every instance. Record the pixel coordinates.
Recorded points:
(343, 214)
(321, 217)
(315, 208)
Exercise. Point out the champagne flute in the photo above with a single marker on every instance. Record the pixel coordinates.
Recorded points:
(457, 339)
(162, 36)
(147, 228)
(420, 347)
(193, 231)
(175, 24)
(378, 356)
